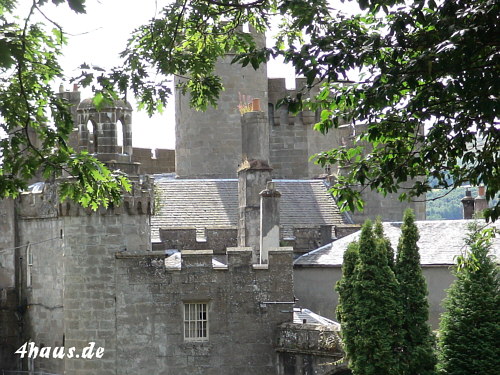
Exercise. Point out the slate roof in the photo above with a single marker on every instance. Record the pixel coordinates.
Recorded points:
(439, 243)
(305, 316)
(205, 203)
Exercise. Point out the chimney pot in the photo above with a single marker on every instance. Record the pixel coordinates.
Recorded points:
(468, 205)
(480, 202)
(481, 191)
(256, 105)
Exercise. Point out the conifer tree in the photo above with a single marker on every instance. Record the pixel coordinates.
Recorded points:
(384, 241)
(372, 346)
(346, 313)
(417, 357)
(470, 326)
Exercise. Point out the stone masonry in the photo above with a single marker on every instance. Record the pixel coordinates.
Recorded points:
(242, 324)
(208, 144)
(70, 300)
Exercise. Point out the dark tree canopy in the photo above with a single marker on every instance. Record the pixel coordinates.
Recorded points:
(420, 76)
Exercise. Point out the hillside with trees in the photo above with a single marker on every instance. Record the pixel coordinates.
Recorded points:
(445, 204)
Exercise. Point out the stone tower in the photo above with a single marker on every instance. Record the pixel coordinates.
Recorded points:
(61, 256)
(208, 144)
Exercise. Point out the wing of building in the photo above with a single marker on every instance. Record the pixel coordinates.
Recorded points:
(316, 272)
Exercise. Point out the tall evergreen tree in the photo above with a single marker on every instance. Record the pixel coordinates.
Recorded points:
(417, 357)
(346, 308)
(372, 346)
(385, 242)
(470, 327)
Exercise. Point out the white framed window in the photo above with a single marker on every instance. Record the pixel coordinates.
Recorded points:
(196, 321)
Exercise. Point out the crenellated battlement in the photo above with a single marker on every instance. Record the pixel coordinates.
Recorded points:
(237, 257)
(281, 116)
(44, 202)
(217, 238)
(196, 261)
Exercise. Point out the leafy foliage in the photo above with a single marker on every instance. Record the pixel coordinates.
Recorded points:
(395, 68)
(418, 343)
(470, 326)
(36, 120)
(369, 308)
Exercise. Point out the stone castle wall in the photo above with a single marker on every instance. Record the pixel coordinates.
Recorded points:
(163, 160)
(42, 301)
(209, 144)
(9, 329)
(207, 148)
(71, 298)
(292, 137)
(242, 329)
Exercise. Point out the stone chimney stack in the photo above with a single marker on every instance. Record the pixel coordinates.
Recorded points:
(468, 203)
(253, 175)
(480, 202)
(255, 136)
(269, 220)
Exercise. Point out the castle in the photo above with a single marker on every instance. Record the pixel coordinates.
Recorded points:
(72, 278)
(214, 296)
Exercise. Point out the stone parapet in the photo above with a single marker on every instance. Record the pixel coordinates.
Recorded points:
(154, 161)
(280, 116)
(310, 338)
(46, 204)
(151, 311)
(217, 238)
(309, 348)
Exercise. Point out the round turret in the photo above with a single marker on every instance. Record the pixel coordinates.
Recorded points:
(106, 132)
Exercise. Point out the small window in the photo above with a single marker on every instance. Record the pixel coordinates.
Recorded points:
(29, 265)
(195, 322)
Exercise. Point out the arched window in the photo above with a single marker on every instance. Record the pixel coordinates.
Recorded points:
(92, 138)
(119, 137)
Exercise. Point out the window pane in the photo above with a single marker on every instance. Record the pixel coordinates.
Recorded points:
(195, 321)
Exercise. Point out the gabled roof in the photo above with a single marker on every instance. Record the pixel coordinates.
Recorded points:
(440, 242)
(206, 203)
